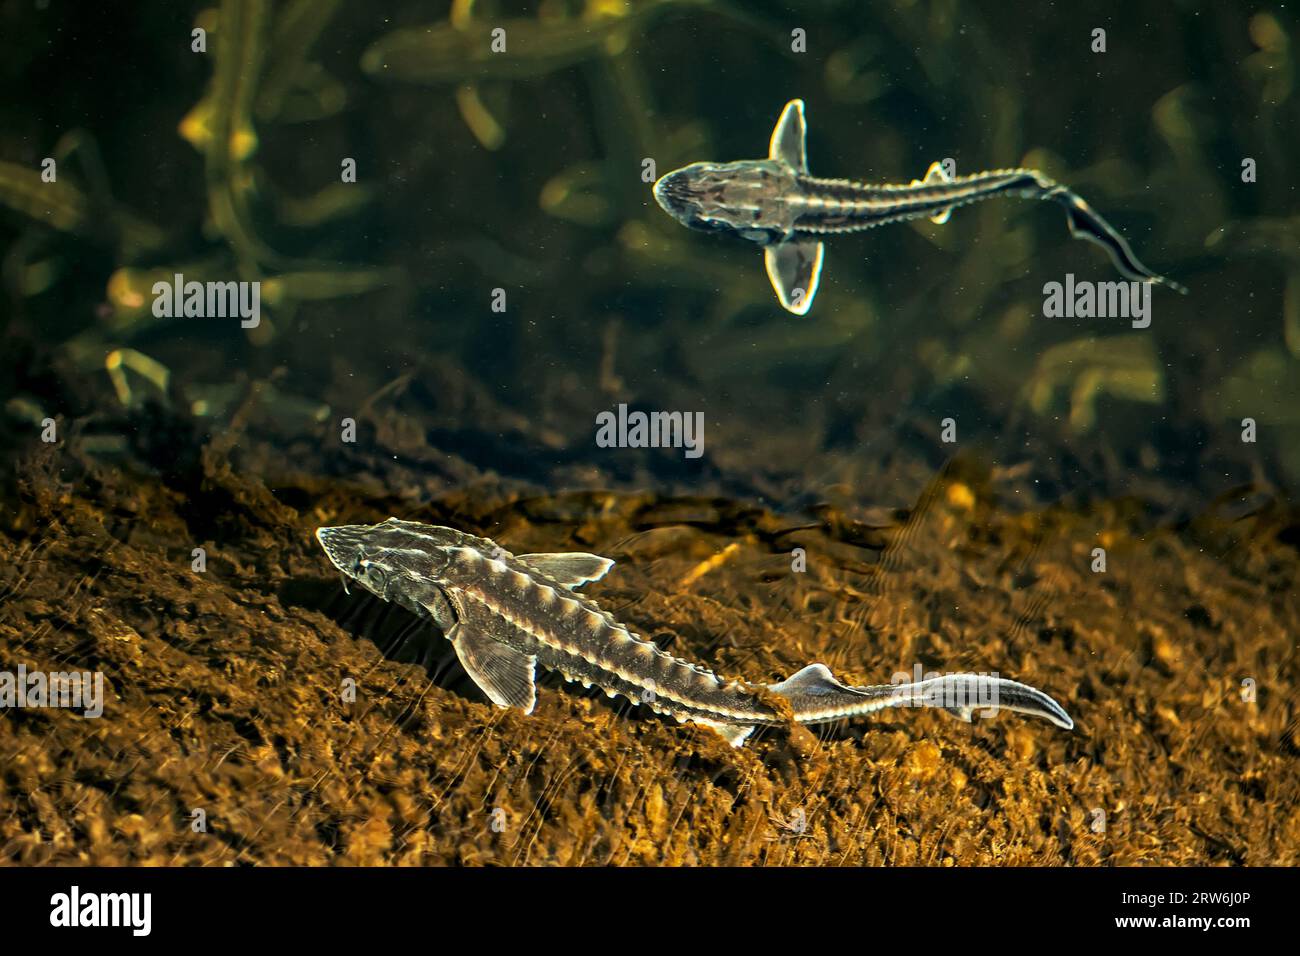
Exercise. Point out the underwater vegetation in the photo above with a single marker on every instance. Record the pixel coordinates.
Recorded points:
(271, 86)
(270, 266)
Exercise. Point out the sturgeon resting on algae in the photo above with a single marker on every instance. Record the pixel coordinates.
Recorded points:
(506, 613)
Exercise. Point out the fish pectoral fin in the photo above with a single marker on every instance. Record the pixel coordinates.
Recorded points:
(503, 673)
(795, 270)
(788, 137)
(573, 569)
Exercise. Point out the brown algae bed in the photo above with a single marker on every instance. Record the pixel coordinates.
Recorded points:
(226, 691)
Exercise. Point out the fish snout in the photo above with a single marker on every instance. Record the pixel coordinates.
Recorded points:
(675, 195)
(342, 545)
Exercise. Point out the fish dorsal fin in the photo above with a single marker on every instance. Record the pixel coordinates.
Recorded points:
(815, 680)
(795, 270)
(503, 673)
(937, 173)
(788, 137)
(573, 569)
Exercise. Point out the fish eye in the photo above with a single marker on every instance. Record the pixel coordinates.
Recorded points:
(375, 572)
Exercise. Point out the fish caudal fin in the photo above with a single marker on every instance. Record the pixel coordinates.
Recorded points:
(1086, 223)
(964, 695)
(817, 697)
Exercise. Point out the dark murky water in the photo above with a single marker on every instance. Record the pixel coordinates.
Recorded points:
(459, 266)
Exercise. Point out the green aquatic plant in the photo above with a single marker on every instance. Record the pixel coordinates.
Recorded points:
(1120, 366)
(48, 197)
(463, 49)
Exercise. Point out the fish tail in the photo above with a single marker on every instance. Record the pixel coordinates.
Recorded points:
(816, 696)
(1086, 223)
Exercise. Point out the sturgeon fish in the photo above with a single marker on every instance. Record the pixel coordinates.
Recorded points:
(506, 613)
(776, 204)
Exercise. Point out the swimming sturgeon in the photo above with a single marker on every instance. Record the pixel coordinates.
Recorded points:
(775, 203)
(506, 613)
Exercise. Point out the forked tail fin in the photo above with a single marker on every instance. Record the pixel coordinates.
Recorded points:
(817, 697)
(1086, 223)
